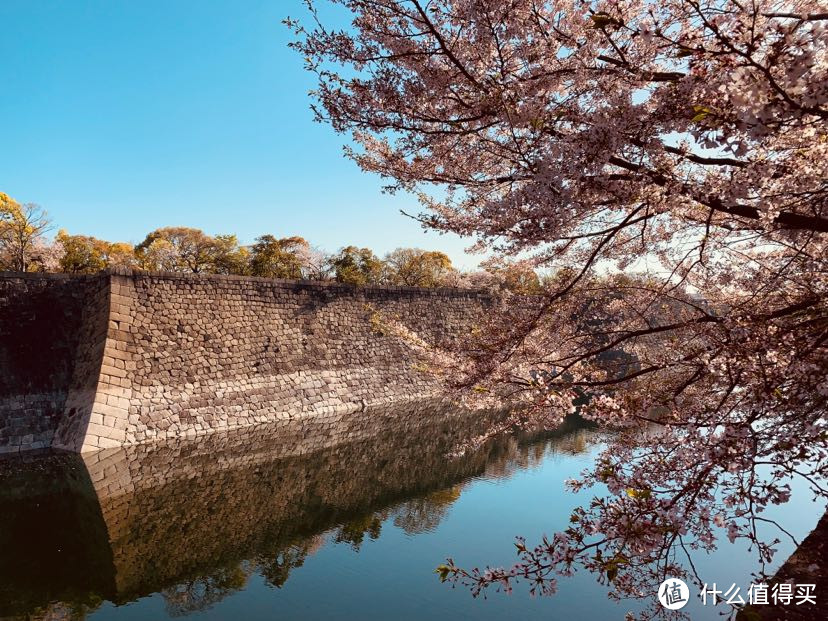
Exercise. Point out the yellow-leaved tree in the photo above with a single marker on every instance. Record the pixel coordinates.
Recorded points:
(82, 254)
(414, 267)
(21, 228)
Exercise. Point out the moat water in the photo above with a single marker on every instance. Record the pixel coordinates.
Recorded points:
(252, 527)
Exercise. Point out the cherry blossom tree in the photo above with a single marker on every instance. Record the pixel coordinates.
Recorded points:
(668, 162)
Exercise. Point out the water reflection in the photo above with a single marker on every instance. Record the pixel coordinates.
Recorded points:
(194, 521)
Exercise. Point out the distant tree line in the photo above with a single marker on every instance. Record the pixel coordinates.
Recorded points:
(25, 247)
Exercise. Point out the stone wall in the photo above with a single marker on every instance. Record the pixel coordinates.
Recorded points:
(807, 565)
(147, 357)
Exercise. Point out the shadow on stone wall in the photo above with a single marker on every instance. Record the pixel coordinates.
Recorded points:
(41, 320)
(194, 520)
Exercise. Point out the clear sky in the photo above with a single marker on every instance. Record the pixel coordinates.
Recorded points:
(119, 117)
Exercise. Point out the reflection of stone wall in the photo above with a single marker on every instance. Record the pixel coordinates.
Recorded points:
(183, 516)
(54, 544)
(47, 353)
(145, 357)
(194, 519)
(176, 511)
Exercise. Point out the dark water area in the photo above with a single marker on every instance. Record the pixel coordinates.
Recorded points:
(292, 525)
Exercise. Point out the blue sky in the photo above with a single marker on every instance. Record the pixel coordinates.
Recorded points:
(120, 117)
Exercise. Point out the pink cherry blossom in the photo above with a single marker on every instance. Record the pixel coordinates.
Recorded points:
(666, 163)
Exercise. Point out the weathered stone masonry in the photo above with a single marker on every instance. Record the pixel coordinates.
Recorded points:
(132, 357)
